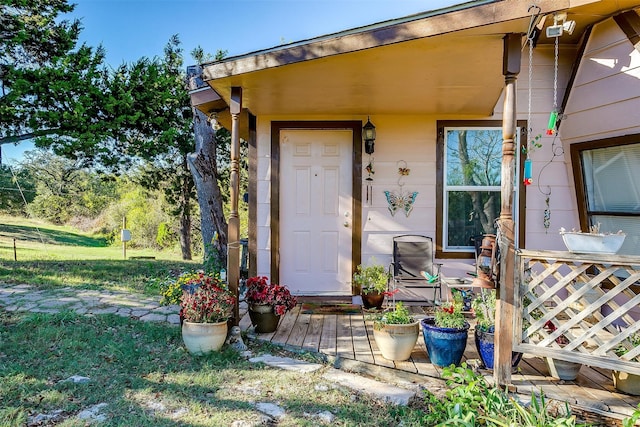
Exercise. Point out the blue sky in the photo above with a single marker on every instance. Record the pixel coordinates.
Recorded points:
(130, 29)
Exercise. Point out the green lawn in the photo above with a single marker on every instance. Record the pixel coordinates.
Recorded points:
(55, 256)
(144, 377)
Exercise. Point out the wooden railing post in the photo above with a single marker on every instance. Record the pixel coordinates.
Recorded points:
(233, 247)
(506, 226)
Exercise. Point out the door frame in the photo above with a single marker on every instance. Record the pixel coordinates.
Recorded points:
(356, 190)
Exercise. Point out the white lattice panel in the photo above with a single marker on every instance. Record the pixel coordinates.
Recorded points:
(578, 307)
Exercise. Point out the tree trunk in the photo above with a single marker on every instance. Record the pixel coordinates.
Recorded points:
(185, 213)
(203, 166)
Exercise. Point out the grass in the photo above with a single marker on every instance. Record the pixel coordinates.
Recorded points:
(146, 378)
(37, 240)
(72, 258)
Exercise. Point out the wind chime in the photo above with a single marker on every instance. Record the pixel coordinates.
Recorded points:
(369, 131)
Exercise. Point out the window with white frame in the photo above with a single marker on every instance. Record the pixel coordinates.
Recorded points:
(471, 184)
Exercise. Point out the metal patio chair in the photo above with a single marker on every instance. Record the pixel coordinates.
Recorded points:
(413, 265)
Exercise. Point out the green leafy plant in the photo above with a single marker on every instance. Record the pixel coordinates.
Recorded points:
(372, 278)
(449, 314)
(533, 145)
(631, 421)
(484, 307)
(471, 401)
(398, 316)
(627, 345)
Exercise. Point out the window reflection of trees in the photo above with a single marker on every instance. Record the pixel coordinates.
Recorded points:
(473, 183)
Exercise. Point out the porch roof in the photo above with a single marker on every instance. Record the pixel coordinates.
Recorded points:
(448, 60)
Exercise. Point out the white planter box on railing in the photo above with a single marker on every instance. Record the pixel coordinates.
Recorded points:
(586, 243)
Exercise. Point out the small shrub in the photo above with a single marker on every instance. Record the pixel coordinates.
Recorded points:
(471, 401)
(165, 237)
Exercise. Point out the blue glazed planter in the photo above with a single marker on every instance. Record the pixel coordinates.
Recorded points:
(444, 345)
(486, 348)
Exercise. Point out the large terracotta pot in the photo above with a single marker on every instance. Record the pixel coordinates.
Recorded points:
(396, 342)
(444, 345)
(263, 318)
(373, 300)
(202, 338)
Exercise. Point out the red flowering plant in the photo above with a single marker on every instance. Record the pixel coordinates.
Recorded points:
(260, 291)
(450, 315)
(206, 299)
(560, 339)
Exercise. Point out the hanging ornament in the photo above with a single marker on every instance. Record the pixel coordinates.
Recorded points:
(547, 215)
(551, 126)
(531, 143)
(399, 199)
(553, 116)
(528, 180)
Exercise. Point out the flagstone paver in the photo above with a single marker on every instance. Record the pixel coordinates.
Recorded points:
(29, 298)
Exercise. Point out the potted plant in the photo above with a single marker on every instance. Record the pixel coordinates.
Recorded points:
(372, 280)
(206, 306)
(558, 368)
(484, 307)
(624, 381)
(445, 334)
(592, 241)
(267, 302)
(395, 333)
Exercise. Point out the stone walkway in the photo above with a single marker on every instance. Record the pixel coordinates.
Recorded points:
(135, 306)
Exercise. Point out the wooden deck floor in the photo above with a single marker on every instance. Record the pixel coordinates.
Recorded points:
(347, 341)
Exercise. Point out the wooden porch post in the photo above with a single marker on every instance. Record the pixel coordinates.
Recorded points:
(233, 234)
(506, 226)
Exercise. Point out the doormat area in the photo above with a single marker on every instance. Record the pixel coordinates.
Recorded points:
(318, 308)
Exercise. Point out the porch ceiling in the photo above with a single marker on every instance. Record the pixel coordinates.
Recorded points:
(422, 76)
(446, 63)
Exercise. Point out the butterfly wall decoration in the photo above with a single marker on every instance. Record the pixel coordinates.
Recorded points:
(400, 201)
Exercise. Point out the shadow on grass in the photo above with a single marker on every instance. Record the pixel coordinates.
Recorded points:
(148, 379)
(34, 234)
(130, 275)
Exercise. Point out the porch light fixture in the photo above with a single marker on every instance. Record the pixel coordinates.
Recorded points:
(369, 135)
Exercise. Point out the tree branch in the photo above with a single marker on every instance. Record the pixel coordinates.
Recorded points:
(17, 138)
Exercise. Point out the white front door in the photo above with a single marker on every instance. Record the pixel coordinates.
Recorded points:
(315, 211)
